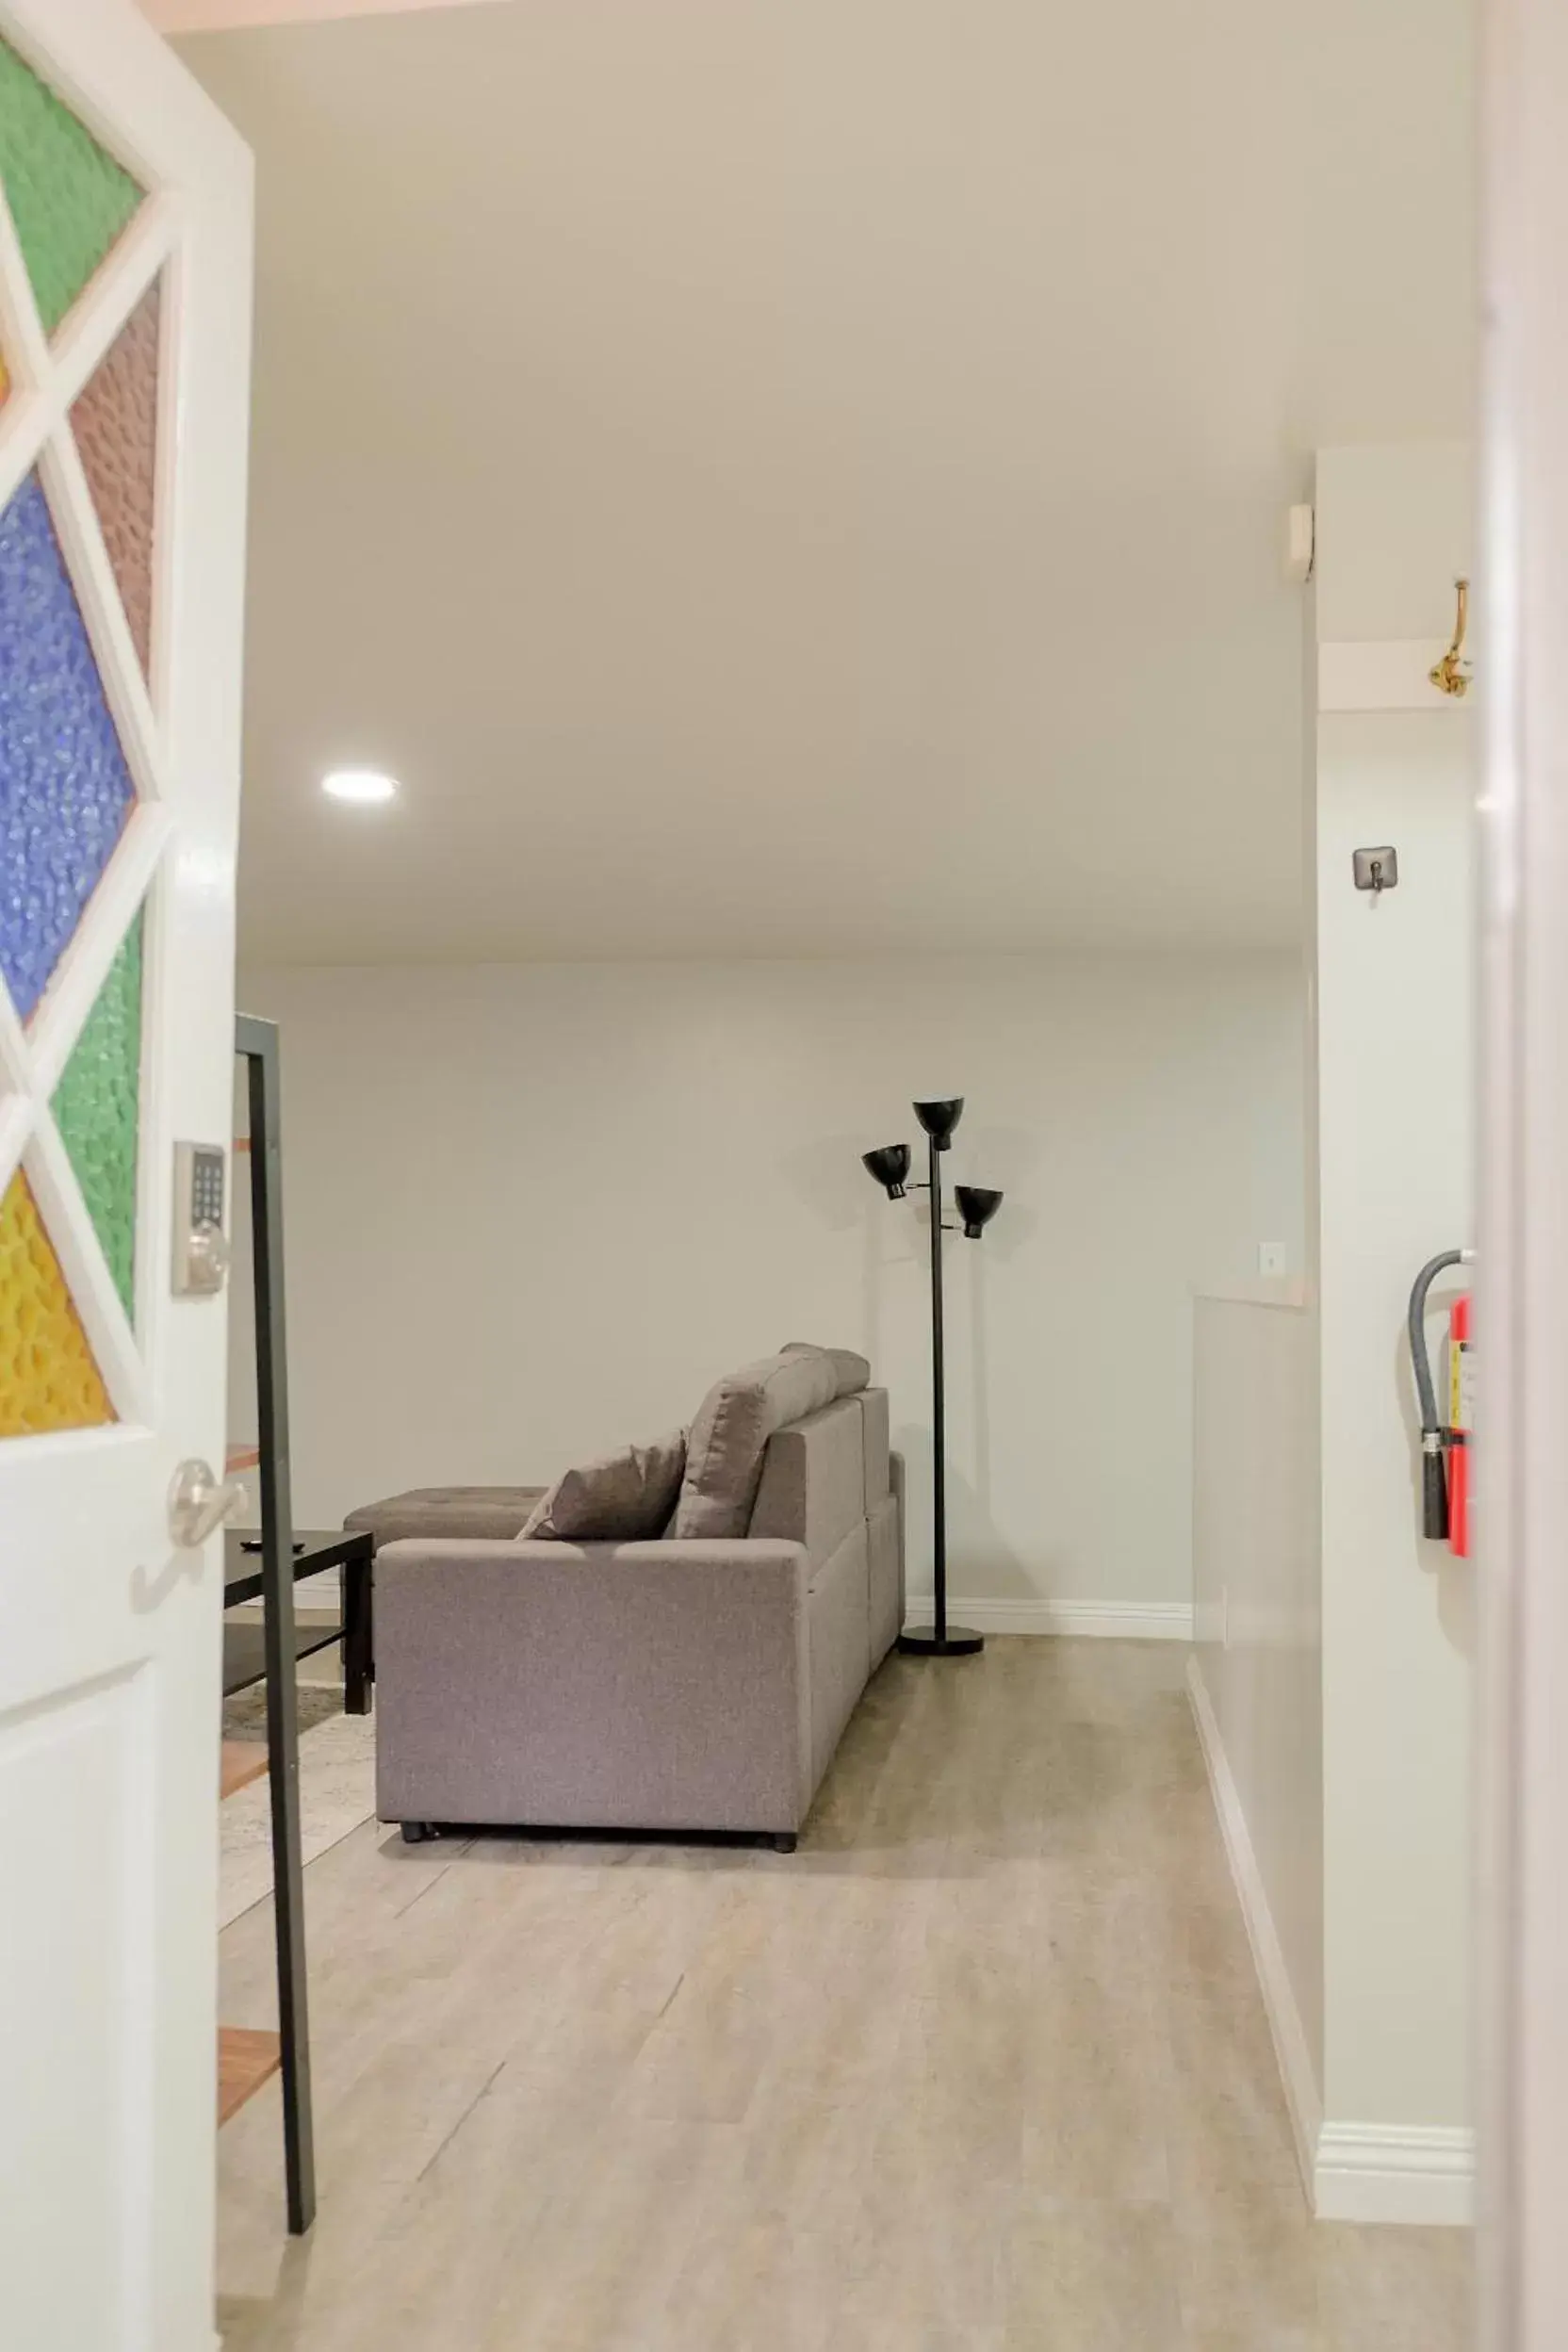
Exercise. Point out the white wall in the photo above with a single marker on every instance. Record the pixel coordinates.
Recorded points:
(533, 1210)
(1308, 1488)
(1396, 979)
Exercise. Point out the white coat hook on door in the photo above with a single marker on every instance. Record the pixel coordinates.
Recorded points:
(200, 1502)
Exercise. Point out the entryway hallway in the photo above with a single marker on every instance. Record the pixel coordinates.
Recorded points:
(982, 2068)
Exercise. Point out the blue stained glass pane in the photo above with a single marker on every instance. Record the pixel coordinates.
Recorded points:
(65, 791)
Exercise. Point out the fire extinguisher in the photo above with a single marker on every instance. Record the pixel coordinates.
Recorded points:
(1446, 1471)
(1461, 1378)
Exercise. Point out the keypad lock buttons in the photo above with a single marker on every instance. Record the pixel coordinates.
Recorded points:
(201, 1245)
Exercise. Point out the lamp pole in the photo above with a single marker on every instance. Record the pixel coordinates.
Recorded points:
(938, 1410)
(977, 1205)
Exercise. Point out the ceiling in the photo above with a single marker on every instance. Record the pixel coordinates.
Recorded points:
(809, 480)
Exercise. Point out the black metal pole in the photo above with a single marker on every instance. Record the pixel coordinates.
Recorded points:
(257, 1041)
(939, 1404)
(939, 1639)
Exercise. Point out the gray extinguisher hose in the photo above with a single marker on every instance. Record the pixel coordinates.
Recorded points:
(1435, 1483)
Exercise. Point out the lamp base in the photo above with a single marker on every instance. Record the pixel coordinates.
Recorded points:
(924, 1641)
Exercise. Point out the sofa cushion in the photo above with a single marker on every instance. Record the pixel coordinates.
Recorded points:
(730, 1436)
(493, 1514)
(874, 1414)
(839, 1634)
(813, 1485)
(851, 1373)
(885, 1582)
(623, 1498)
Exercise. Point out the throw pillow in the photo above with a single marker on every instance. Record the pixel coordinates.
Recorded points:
(622, 1497)
(851, 1372)
(723, 1453)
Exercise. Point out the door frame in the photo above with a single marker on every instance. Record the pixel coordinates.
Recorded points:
(1523, 1295)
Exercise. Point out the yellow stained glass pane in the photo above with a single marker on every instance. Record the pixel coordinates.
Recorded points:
(48, 1379)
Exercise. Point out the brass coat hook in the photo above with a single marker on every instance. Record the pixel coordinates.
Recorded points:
(1451, 675)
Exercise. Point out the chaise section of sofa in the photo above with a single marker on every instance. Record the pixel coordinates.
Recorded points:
(495, 1513)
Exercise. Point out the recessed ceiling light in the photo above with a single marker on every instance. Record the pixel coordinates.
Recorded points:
(364, 784)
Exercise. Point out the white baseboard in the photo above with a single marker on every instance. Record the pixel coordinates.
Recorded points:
(1116, 1621)
(1291, 2049)
(1383, 2172)
(1365, 2172)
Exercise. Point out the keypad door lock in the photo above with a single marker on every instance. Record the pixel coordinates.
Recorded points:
(201, 1245)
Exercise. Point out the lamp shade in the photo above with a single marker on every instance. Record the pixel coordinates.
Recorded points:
(939, 1118)
(977, 1205)
(890, 1166)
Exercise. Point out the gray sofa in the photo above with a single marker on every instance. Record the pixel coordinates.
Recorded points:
(667, 1686)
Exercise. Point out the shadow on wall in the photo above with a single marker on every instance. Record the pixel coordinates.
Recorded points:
(828, 1179)
(1009, 1158)
(981, 1563)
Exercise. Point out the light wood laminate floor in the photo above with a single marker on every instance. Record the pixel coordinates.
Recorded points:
(981, 2066)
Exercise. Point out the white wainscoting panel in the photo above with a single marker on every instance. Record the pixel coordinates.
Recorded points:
(1291, 2046)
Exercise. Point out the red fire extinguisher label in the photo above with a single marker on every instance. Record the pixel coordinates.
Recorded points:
(1461, 1385)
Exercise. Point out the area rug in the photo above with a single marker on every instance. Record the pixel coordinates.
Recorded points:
(337, 1790)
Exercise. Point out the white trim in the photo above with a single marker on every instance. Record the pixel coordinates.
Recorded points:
(1264, 1290)
(18, 1118)
(1365, 2172)
(1377, 676)
(1113, 1620)
(68, 1222)
(1384, 2172)
(1291, 2049)
(72, 987)
(1521, 1760)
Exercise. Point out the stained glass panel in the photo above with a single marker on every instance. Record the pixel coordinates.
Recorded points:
(65, 791)
(116, 424)
(69, 198)
(97, 1105)
(48, 1378)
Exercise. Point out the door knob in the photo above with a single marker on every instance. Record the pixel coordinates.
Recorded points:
(200, 1502)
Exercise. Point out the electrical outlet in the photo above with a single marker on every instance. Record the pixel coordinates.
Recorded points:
(1271, 1257)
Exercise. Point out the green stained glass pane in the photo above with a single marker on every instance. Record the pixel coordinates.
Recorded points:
(70, 199)
(96, 1109)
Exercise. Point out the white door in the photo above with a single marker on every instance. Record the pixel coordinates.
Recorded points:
(1522, 1294)
(124, 326)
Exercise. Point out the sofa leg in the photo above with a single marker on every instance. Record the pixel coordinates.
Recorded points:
(414, 1833)
(784, 1841)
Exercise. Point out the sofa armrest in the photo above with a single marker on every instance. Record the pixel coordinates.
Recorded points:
(657, 1686)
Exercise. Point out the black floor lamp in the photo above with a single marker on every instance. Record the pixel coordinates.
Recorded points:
(977, 1206)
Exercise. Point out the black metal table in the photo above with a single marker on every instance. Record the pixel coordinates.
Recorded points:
(245, 1646)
